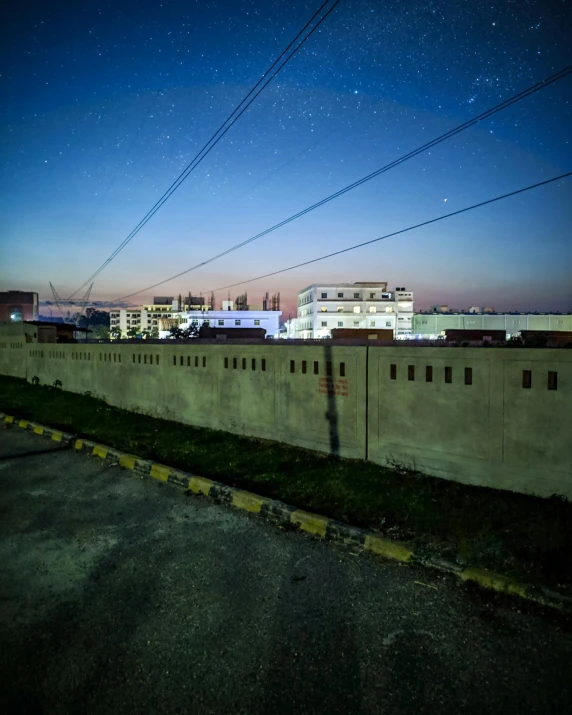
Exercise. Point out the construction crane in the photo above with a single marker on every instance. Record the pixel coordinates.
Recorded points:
(82, 303)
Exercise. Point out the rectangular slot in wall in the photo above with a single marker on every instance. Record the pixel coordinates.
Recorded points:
(342, 369)
(196, 360)
(316, 367)
(144, 359)
(204, 360)
(304, 367)
(292, 366)
(263, 361)
(468, 376)
(411, 372)
(234, 363)
(448, 374)
(393, 371)
(244, 363)
(552, 380)
(226, 362)
(527, 379)
(428, 373)
(188, 361)
(253, 364)
(174, 359)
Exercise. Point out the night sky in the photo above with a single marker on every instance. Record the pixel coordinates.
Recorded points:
(105, 103)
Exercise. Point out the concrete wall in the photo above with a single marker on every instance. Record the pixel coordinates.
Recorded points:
(245, 389)
(492, 432)
(346, 400)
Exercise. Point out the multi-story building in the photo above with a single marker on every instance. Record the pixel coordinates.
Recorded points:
(432, 325)
(154, 317)
(353, 305)
(157, 319)
(269, 320)
(140, 320)
(18, 305)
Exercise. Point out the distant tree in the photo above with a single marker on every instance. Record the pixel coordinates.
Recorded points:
(132, 333)
(175, 333)
(100, 332)
(192, 331)
(154, 332)
(94, 317)
(115, 332)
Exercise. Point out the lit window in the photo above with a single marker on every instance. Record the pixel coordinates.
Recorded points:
(357, 309)
(323, 309)
(257, 322)
(372, 309)
(340, 309)
(371, 296)
(390, 310)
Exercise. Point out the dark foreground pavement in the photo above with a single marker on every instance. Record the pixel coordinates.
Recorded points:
(121, 595)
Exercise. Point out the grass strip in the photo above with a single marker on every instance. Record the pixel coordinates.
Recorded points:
(523, 536)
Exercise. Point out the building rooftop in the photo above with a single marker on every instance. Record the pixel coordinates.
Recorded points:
(496, 312)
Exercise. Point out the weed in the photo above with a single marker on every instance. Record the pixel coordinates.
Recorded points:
(523, 535)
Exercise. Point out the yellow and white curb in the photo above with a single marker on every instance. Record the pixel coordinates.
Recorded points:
(289, 516)
(54, 434)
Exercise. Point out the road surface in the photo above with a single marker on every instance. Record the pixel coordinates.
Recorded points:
(123, 595)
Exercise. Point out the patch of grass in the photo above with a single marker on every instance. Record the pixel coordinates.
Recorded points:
(524, 536)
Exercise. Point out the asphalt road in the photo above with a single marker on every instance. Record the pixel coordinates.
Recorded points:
(122, 595)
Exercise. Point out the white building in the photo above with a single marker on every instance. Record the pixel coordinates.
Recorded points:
(156, 320)
(290, 329)
(140, 320)
(322, 308)
(151, 318)
(431, 325)
(269, 320)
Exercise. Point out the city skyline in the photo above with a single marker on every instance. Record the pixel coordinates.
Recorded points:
(105, 106)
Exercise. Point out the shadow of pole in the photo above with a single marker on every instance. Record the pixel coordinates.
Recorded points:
(332, 409)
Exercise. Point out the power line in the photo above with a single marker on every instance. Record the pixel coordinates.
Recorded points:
(396, 233)
(239, 110)
(434, 142)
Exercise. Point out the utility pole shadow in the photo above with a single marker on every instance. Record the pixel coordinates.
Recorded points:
(332, 408)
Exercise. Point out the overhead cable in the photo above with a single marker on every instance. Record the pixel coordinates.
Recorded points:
(403, 230)
(434, 142)
(245, 103)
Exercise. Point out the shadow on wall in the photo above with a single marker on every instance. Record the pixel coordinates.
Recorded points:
(332, 408)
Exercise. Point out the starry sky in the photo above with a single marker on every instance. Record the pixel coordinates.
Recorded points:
(104, 104)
